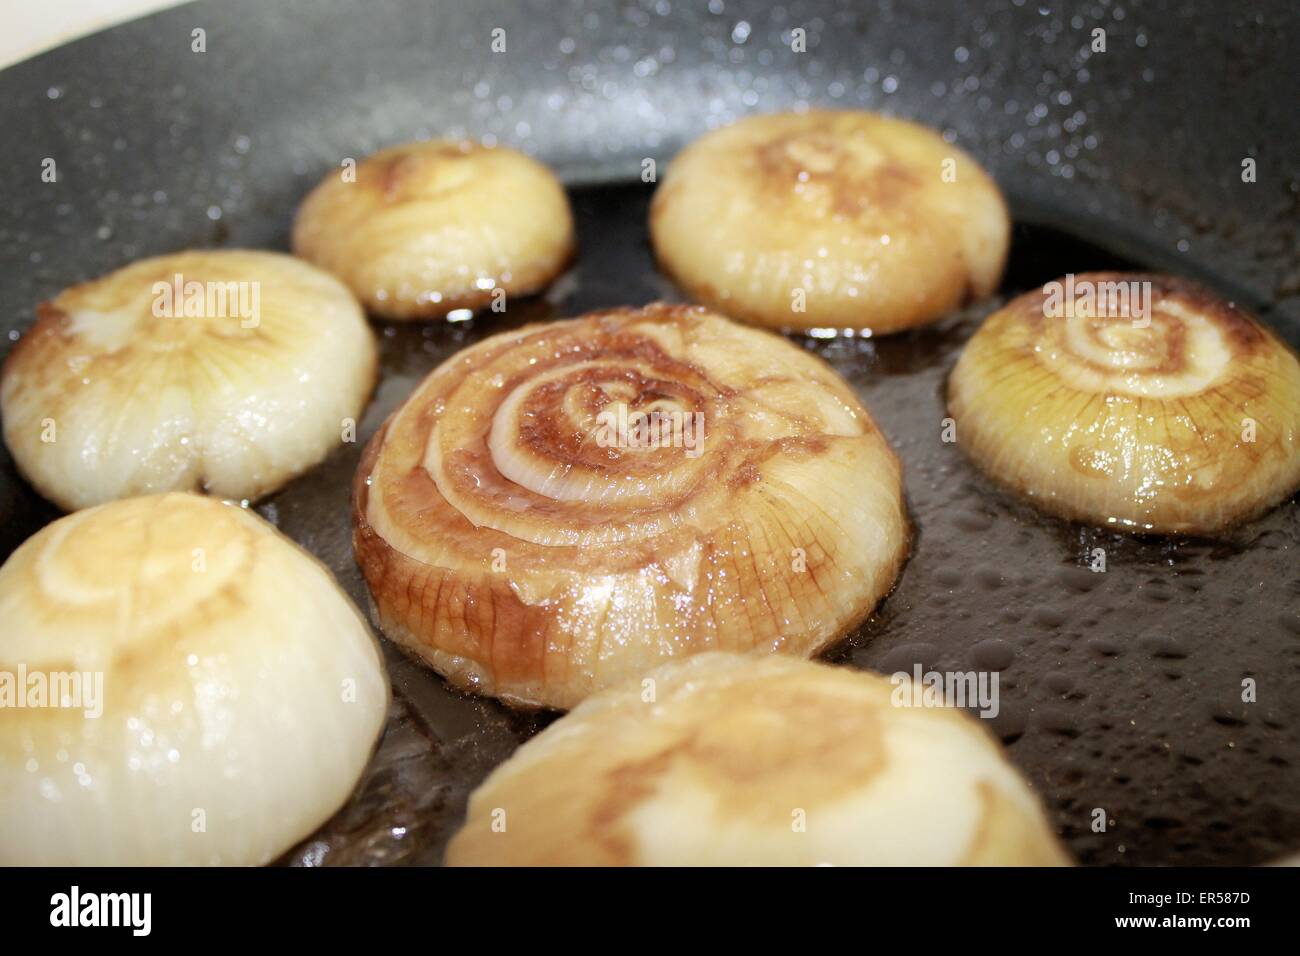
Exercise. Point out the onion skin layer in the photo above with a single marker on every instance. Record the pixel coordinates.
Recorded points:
(541, 594)
(103, 399)
(830, 220)
(729, 760)
(242, 692)
(436, 227)
(1133, 429)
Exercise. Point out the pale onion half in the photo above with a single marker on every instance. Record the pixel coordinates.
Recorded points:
(1183, 421)
(728, 760)
(426, 229)
(243, 381)
(523, 557)
(242, 692)
(830, 220)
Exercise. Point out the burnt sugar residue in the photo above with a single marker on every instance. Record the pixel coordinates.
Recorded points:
(1120, 690)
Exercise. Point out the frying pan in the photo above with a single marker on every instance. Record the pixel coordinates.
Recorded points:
(1121, 691)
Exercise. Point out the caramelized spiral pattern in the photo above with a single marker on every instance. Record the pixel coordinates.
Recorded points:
(836, 220)
(427, 229)
(724, 760)
(524, 557)
(1181, 421)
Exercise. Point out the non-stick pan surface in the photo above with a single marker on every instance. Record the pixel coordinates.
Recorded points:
(1120, 691)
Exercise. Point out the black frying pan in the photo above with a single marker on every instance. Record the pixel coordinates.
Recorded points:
(1119, 691)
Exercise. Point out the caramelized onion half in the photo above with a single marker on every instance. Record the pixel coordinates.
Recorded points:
(1183, 420)
(724, 760)
(830, 220)
(426, 229)
(210, 694)
(527, 554)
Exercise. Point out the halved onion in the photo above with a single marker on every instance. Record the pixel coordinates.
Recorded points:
(226, 371)
(426, 229)
(525, 552)
(211, 695)
(728, 760)
(1183, 420)
(837, 220)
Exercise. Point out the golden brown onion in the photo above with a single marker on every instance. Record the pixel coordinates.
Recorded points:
(430, 228)
(729, 760)
(218, 696)
(1184, 420)
(223, 371)
(525, 553)
(837, 220)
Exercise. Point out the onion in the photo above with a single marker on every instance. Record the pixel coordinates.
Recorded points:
(1185, 419)
(830, 220)
(526, 553)
(427, 229)
(223, 371)
(727, 760)
(227, 698)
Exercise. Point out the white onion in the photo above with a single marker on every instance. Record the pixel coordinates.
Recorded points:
(242, 693)
(729, 760)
